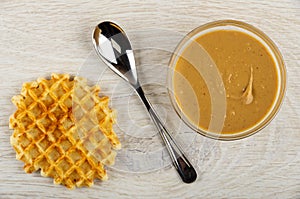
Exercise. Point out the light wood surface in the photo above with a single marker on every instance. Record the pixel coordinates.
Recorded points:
(41, 37)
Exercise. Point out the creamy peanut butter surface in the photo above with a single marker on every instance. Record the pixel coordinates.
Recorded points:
(249, 78)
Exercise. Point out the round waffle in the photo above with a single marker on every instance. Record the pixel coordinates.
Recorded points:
(63, 128)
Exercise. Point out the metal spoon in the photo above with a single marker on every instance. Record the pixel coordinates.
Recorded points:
(114, 48)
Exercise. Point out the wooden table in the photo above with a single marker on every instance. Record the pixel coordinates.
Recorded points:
(39, 38)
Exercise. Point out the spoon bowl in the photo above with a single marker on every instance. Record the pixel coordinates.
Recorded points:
(113, 46)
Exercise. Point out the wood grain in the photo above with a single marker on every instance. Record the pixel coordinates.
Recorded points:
(38, 38)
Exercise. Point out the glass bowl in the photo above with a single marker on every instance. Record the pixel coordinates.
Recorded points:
(272, 50)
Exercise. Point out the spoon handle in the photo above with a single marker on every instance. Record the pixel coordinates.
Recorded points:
(180, 162)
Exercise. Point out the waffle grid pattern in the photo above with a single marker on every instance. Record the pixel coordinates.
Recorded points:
(64, 128)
